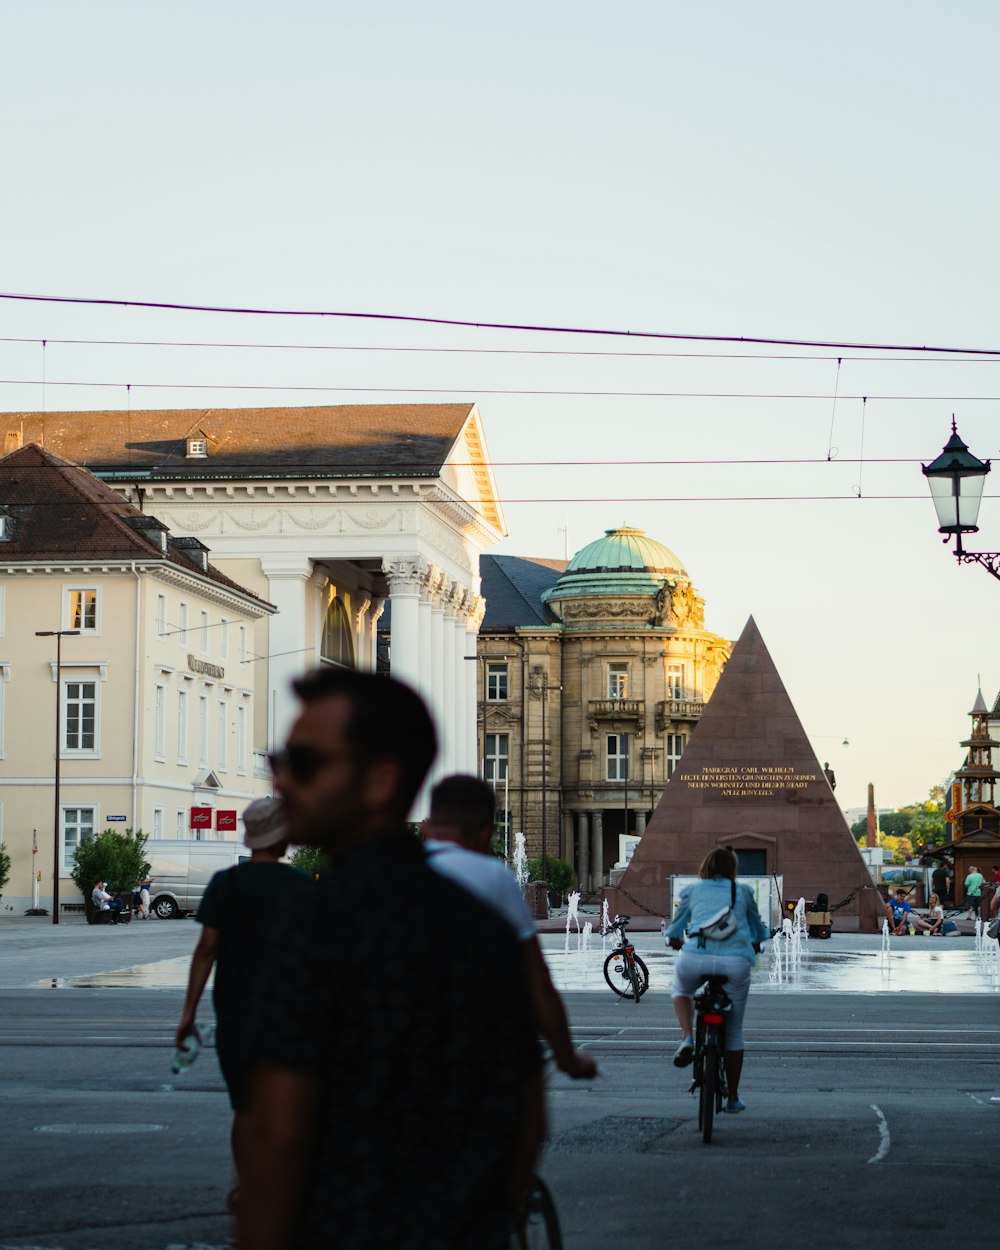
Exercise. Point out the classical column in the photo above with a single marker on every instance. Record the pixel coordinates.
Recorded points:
(362, 634)
(598, 854)
(583, 851)
(448, 727)
(436, 672)
(288, 589)
(406, 577)
(477, 609)
(374, 616)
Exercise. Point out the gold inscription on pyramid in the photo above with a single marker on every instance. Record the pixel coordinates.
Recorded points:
(746, 781)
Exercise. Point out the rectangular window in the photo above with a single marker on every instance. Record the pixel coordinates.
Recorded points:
(617, 757)
(80, 716)
(182, 624)
(81, 609)
(496, 683)
(204, 632)
(617, 681)
(161, 616)
(241, 739)
(182, 726)
(243, 644)
(497, 758)
(675, 749)
(157, 822)
(223, 733)
(180, 827)
(203, 729)
(224, 639)
(160, 722)
(675, 682)
(77, 823)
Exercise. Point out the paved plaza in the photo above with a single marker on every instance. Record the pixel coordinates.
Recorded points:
(869, 1082)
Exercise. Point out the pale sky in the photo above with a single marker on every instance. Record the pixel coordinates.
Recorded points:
(776, 170)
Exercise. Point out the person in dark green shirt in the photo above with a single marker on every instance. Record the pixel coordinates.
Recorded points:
(239, 914)
(973, 891)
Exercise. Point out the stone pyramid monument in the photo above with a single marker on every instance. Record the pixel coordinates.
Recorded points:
(749, 779)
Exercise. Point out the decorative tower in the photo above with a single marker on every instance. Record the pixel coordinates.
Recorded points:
(977, 777)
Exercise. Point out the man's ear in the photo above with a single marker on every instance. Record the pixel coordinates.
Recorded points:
(382, 781)
(482, 839)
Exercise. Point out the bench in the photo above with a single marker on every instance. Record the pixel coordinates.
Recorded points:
(104, 917)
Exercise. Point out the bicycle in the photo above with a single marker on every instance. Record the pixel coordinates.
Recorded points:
(711, 1005)
(629, 976)
(536, 1225)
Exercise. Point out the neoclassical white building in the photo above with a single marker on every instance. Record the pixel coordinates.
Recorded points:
(327, 513)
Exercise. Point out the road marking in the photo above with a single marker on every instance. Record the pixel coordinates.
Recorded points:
(975, 1099)
(885, 1141)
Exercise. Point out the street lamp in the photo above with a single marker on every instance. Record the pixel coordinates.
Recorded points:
(542, 688)
(58, 635)
(956, 479)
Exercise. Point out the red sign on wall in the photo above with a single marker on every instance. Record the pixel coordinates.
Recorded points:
(201, 818)
(225, 820)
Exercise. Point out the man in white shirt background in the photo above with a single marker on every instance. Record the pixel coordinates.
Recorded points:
(458, 835)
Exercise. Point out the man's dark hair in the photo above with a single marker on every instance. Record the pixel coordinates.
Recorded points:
(389, 720)
(464, 803)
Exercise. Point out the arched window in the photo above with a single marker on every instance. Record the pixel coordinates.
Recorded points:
(337, 646)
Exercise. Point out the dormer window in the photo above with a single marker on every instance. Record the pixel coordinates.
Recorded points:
(197, 448)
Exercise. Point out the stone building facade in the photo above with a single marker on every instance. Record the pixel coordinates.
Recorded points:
(591, 676)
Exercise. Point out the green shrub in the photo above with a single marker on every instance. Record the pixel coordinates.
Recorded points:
(4, 867)
(560, 874)
(117, 858)
(309, 859)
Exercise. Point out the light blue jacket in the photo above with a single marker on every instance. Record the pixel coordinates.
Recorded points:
(701, 901)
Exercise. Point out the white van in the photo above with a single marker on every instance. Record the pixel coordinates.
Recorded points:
(181, 870)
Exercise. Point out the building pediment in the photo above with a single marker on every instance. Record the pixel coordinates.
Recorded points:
(467, 470)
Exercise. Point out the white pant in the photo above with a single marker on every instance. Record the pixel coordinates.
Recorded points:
(690, 971)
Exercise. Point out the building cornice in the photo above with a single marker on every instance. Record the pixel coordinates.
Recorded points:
(165, 571)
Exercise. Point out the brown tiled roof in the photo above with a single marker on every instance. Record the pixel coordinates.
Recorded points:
(54, 510)
(350, 440)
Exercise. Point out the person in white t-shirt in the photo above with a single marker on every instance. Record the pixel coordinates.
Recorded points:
(457, 841)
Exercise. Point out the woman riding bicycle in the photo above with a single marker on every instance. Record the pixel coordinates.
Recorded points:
(702, 907)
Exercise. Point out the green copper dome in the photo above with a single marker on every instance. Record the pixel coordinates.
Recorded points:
(624, 562)
(626, 550)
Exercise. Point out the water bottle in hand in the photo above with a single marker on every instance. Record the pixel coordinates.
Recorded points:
(186, 1053)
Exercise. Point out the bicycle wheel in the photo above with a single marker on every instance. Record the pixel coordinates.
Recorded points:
(709, 1090)
(538, 1223)
(619, 976)
(616, 974)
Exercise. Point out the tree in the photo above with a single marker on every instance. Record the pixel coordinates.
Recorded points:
(922, 824)
(117, 858)
(560, 874)
(310, 860)
(4, 867)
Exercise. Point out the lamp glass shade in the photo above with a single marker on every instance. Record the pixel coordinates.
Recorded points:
(956, 479)
(956, 502)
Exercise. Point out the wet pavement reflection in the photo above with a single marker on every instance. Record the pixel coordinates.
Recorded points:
(844, 964)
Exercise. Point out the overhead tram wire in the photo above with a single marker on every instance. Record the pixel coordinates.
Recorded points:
(457, 322)
(495, 351)
(804, 396)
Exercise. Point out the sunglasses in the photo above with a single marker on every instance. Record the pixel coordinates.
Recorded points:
(302, 762)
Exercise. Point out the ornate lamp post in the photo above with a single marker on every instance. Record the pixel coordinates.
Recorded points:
(58, 635)
(956, 479)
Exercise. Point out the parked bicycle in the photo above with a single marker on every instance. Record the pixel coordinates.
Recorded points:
(711, 1006)
(624, 971)
(536, 1226)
